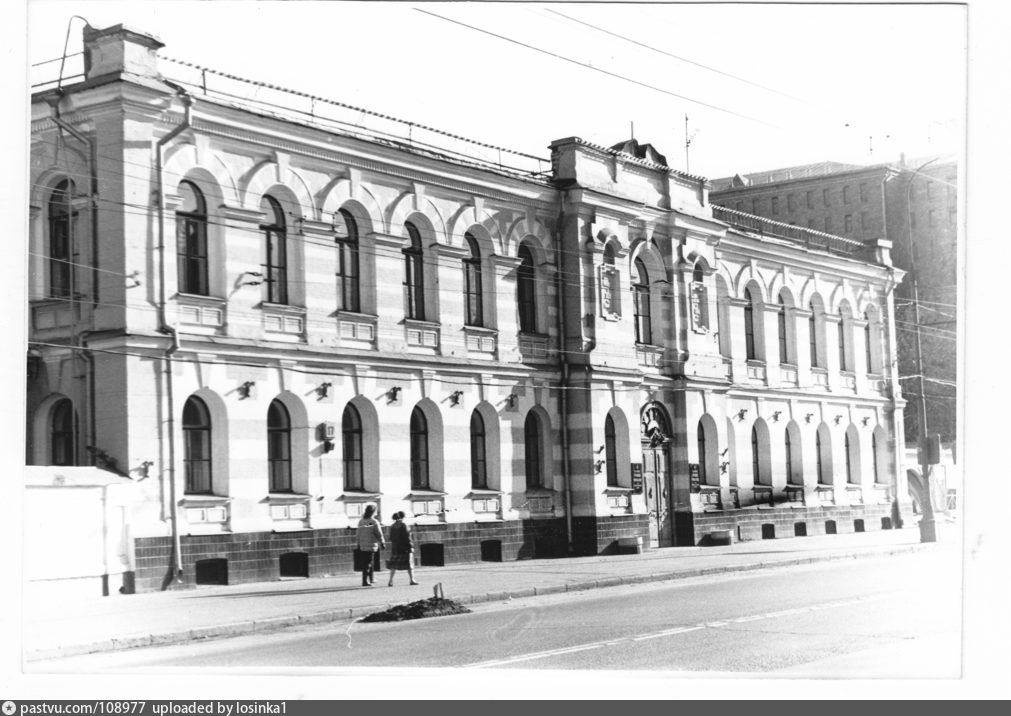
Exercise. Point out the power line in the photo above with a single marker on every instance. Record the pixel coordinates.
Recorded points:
(676, 57)
(600, 70)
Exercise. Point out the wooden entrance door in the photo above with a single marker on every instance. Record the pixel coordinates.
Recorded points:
(656, 487)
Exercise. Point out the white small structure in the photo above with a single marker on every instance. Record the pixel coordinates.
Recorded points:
(76, 531)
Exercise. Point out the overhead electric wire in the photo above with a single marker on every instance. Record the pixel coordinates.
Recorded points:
(601, 70)
(676, 57)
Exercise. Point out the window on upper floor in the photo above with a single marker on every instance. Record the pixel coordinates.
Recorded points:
(279, 447)
(62, 228)
(828, 224)
(848, 223)
(472, 290)
(791, 204)
(414, 275)
(845, 195)
(197, 447)
(640, 294)
(610, 284)
(191, 241)
(825, 197)
(863, 192)
(781, 331)
(346, 243)
(533, 450)
(610, 452)
(276, 250)
(842, 342)
(526, 290)
(809, 198)
(750, 349)
(775, 205)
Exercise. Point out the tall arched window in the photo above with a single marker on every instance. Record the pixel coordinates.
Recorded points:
(414, 275)
(789, 457)
(63, 434)
(526, 290)
(818, 455)
(842, 341)
(351, 431)
(756, 475)
(610, 291)
(640, 294)
(191, 241)
(197, 447)
(846, 450)
(610, 452)
(62, 225)
(867, 343)
(276, 245)
(812, 333)
(700, 435)
(279, 447)
(473, 301)
(478, 452)
(781, 331)
(346, 242)
(533, 450)
(419, 451)
(749, 326)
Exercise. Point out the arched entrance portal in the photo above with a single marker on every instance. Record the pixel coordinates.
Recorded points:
(656, 437)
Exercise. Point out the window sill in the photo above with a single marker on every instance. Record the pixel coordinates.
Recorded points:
(282, 308)
(617, 490)
(354, 315)
(480, 330)
(425, 494)
(197, 298)
(358, 496)
(283, 498)
(204, 500)
(419, 323)
(479, 493)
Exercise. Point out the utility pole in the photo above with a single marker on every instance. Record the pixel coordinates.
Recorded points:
(928, 527)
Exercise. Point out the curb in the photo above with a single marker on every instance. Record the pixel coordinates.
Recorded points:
(270, 624)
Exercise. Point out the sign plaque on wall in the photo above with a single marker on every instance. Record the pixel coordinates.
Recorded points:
(694, 477)
(637, 478)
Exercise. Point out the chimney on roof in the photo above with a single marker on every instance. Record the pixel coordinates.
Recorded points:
(120, 50)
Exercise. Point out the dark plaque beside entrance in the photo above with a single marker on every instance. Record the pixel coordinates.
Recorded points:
(637, 478)
(694, 477)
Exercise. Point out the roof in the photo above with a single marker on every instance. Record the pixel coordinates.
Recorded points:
(803, 171)
(640, 151)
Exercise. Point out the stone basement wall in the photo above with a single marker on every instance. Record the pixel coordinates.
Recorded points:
(600, 535)
(753, 524)
(256, 556)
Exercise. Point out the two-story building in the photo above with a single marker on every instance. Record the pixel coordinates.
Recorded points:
(268, 322)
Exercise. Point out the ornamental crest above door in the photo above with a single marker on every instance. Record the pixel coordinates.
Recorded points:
(653, 424)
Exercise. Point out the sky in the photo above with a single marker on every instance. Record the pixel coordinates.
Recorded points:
(762, 86)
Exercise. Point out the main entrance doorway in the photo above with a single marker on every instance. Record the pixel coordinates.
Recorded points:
(656, 477)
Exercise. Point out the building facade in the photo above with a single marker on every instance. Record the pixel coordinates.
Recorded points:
(268, 324)
(914, 205)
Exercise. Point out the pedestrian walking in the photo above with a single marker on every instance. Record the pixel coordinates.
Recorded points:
(402, 554)
(370, 541)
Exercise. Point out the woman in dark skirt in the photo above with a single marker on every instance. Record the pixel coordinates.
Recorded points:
(402, 556)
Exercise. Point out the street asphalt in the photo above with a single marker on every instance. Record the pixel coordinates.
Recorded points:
(55, 626)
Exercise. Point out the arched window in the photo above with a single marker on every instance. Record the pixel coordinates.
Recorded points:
(478, 452)
(868, 343)
(419, 451)
(279, 447)
(191, 241)
(533, 450)
(63, 434)
(755, 472)
(698, 273)
(351, 430)
(473, 301)
(526, 290)
(789, 457)
(812, 333)
(275, 242)
(749, 326)
(819, 468)
(842, 341)
(346, 242)
(62, 225)
(414, 275)
(610, 452)
(640, 293)
(846, 450)
(781, 331)
(197, 447)
(610, 285)
(700, 434)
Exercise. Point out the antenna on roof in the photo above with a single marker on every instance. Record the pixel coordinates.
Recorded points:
(632, 129)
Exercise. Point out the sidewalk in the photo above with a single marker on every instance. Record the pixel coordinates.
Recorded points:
(61, 627)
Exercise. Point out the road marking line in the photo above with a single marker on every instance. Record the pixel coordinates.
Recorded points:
(672, 632)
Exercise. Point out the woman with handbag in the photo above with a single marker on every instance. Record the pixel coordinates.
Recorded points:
(402, 556)
(370, 541)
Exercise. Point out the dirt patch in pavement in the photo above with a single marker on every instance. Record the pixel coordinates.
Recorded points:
(431, 607)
